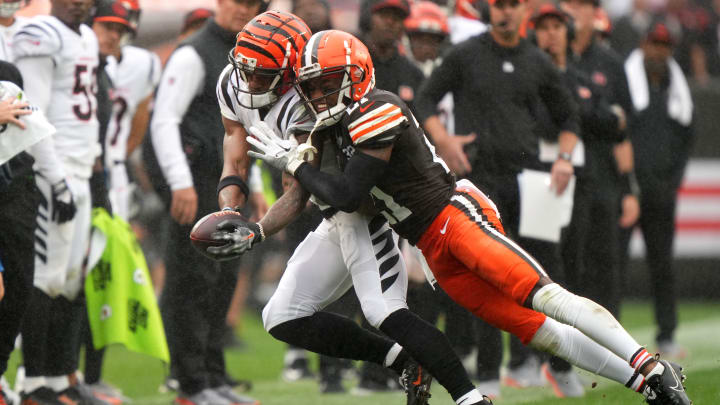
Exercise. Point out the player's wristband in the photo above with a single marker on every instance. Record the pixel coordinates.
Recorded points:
(258, 230)
(629, 184)
(234, 181)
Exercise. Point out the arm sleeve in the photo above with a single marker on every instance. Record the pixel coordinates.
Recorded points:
(37, 75)
(443, 80)
(180, 83)
(347, 190)
(599, 121)
(46, 161)
(556, 96)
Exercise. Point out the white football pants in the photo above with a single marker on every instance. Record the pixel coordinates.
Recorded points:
(339, 254)
(60, 248)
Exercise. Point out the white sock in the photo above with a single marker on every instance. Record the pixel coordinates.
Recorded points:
(658, 369)
(58, 384)
(32, 383)
(636, 383)
(392, 355)
(470, 398)
(590, 318)
(571, 345)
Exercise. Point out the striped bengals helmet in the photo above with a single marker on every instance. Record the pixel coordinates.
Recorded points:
(266, 50)
(427, 17)
(330, 53)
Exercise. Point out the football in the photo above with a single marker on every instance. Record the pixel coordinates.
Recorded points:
(201, 233)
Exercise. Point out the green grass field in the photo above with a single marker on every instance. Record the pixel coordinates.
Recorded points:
(261, 361)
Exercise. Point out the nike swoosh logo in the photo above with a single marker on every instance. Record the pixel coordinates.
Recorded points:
(678, 384)
(443, 230)
(362, 110)
(463, 401)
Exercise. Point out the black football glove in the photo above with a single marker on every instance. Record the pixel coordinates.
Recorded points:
(63, 205)
(241, 236)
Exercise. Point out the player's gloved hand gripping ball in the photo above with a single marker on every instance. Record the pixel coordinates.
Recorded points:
(225, 235)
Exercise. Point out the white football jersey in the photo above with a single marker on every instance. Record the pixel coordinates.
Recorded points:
(73, 107)
(286, 117)
(134, 78)
(6, 52)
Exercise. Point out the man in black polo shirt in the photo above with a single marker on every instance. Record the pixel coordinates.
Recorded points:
(614, 187)
(393, 72)
(187, 135)
(500, 84)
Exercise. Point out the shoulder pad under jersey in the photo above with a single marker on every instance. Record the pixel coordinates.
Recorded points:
(376, 120)
(37, 38)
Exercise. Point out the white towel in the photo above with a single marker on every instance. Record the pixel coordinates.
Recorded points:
(680, 104)
(14, 140)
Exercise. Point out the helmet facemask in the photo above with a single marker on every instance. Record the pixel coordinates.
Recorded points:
(277, 78)
(312, 75)
(9, 8)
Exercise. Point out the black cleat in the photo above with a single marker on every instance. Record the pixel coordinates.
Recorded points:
(667, 388)
(416, 382)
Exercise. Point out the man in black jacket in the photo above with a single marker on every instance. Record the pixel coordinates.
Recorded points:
(19, 200)
(662, 134)
(187, 136)
(602, 127)
(501, 85)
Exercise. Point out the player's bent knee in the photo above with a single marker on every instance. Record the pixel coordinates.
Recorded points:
(562, 305)
(278, 311)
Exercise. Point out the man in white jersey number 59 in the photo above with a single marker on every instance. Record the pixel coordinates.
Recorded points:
(58, 58)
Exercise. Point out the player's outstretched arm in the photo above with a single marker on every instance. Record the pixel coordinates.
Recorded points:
(235, 166)
(286, 208)
(346, 191)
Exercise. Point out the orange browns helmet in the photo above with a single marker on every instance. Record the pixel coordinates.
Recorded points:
(335, 52)
(268, 46)
(427, 17)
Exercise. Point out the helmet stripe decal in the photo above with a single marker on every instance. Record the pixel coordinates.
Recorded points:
(310, 57)
(274, 30)
(258, 49)
(287, 23)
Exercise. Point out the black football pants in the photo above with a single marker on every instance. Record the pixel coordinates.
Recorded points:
(657, 224)
(18, 211)
(194, 305)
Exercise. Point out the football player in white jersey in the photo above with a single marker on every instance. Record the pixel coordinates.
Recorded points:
(58, 58)
(346, 250)
(134, 73)
(9, 24)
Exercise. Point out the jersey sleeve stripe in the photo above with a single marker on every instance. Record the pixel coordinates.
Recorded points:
(371, 115)
(281, 114)
(378, 128)
(374, 121)
(224, 89)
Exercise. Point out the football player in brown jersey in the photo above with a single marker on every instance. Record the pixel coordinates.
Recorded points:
(384, 153)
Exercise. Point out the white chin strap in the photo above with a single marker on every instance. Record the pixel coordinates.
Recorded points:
(330, 116)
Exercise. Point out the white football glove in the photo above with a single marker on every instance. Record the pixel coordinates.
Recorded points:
(282, 154)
